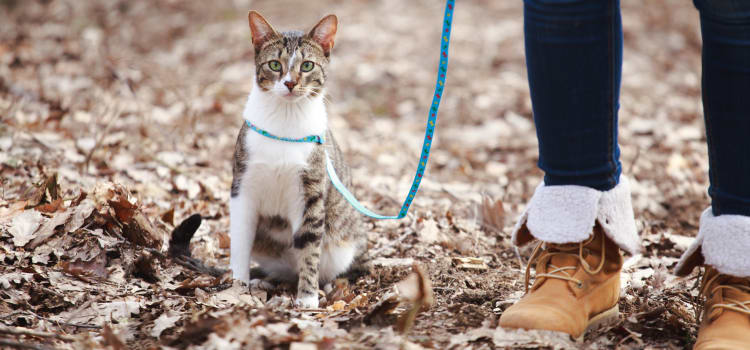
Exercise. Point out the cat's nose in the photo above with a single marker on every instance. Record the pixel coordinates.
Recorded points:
(290, 85)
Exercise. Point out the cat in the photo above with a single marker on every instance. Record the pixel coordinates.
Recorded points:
(284, 213)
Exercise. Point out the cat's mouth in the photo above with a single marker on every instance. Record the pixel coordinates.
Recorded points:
(291, 95)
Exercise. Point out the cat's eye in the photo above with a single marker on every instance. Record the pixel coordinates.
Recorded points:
(307, 66)
(275, 65)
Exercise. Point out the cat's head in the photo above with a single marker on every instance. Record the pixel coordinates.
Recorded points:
(292, 65)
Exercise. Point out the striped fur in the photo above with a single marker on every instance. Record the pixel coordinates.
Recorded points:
(285, 214)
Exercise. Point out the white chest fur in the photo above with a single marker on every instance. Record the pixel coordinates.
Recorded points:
(272, 181)
(271, 184)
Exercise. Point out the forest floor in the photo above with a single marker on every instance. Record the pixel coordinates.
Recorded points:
(118, 121)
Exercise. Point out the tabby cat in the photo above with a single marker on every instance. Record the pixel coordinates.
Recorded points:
(285, 214)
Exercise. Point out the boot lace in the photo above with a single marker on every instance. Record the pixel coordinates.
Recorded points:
(729, 303)
(544, 252)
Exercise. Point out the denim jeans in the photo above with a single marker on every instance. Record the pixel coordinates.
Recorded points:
(574, 60)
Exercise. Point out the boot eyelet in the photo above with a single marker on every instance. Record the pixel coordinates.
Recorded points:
(579, 285)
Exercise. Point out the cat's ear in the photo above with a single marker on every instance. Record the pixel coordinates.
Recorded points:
(260, 29)
(324, 32)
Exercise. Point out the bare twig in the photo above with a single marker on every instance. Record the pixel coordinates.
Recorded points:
(17, 345)
(56, 322)
(33, 333)
(104, 131)
(521, 264)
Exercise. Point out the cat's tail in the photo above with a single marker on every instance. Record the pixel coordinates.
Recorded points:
(179, 247)
(179, 244)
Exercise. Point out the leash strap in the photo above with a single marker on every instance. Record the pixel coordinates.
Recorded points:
(426, 145)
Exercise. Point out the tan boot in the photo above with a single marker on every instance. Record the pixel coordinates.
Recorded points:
(726, 315)
(577, 287)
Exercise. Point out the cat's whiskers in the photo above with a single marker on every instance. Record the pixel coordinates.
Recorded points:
(311, 92)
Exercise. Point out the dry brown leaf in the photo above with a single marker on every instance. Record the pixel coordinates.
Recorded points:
(224, 241)
(124, 210)
(429, 233)
(417, 289)
(47, 192)
(168, 216)
(337, 305)
(95, 267)
(341, 291)
(11, 211)
(165, 321)
(24, 225)
(81, 212)
(469, 263)
(141, 231)
(144, 268)
(493, 214)
(113, 340)
(51, 207)
(48, 228)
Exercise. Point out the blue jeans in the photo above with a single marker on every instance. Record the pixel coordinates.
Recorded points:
(574, 60)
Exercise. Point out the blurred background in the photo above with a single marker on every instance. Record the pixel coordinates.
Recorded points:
(149, 94)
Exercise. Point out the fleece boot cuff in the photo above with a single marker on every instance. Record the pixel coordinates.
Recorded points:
(568, 213)
(723, 243)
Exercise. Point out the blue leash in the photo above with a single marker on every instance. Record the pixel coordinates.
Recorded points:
(429, 132)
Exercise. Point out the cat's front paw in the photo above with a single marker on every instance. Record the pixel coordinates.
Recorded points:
(306, 302)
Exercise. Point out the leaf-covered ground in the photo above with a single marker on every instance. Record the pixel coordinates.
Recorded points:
(118, 120)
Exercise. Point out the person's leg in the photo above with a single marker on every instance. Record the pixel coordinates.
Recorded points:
(723, 241)
(581, 213)
(725, 27)
(574, 60)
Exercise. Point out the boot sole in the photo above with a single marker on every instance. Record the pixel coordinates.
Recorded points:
(603, 319)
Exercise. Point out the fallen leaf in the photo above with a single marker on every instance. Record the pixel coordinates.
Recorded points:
(52, 207)
(48, 228)
(163, 322)
(13, 210)
(493, 214)
(47, 192)
(429, 232)
(81, 212)
(468, 263)
(302, 346)
(144, 268)
(168, 216)
(23, 226)
(417, 289)
(124, 210)
(95, 267)
(392, 262)
(139, 230)
(112, 339)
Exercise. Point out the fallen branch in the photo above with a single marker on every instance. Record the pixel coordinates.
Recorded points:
(17, 345)
(33, 333)
(55, 322)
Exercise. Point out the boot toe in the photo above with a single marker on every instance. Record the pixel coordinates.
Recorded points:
(544, 317)
(720, 344)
